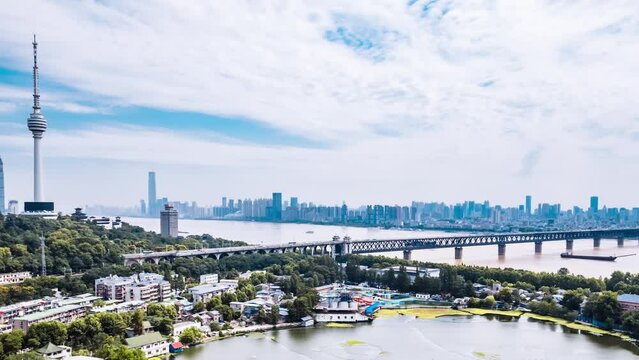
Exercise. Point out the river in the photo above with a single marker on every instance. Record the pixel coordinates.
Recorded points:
(519, 256)
(455, 337)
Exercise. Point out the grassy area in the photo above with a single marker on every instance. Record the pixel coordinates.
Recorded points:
(576, 326)
(422, 313)
(476, 311)
(339, 325)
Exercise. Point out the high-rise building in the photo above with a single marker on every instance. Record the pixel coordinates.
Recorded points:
(37, 124)
(294, 203)
(528, 205)
(142, 207)
(169, 221)
(594, 205)
(152, 200)
(2, 208)
(276, 208)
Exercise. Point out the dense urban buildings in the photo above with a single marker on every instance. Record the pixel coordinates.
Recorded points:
(146, 287)
(469, 215)
(169, 221)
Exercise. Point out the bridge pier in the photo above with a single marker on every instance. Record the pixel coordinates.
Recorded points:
(458, 252)
(538, 247)
(596, 241)
(620, 241)
(569, 245)
(501, 249)
(407, 254)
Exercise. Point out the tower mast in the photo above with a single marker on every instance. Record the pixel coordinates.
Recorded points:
(37, 125)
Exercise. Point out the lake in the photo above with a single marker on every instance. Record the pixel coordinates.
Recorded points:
(404, 337)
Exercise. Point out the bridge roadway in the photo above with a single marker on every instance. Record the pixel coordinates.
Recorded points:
(338, 246)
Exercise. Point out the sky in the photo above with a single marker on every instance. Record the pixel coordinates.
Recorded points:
(383, 101)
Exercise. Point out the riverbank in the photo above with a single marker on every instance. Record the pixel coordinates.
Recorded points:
(432, 313)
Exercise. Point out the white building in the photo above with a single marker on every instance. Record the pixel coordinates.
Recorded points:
(14, 278)
(205, 292)
(152, 344)
(64, 314)
(411, 271)
(178, 328)
(112, 287)
(209, 279)
(147, 287)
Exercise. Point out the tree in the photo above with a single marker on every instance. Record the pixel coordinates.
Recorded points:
(572, 300)
(40, 334)
(137, 322)
(563, 271)
(120, 352)
(402, 282)
(604, 308)
(274, 315)
(12, 341)
(630, 323)
(261, 317)
(191, 335)
(83, 332)
(505, 295)
(199, 307)
(31, 355)
(214, 326)
(112, 324)
(489, 302)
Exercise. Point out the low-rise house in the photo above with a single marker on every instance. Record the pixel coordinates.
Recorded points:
(628, 302)
(14, 278)
(64, 314)
(178, 328)
(152, 344)
(54, 352)
(206, 317)
(207, 291)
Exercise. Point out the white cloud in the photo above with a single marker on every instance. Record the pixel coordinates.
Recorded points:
(459, 98)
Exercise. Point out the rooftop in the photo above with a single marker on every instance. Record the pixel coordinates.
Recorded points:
(47, 313)
(146, 339)
(631, 298)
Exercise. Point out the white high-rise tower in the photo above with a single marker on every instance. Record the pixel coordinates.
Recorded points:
(37, 125)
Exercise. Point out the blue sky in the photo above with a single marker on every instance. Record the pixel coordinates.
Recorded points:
(331, 101)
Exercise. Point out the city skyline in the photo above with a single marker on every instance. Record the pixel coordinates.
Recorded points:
(385, 103)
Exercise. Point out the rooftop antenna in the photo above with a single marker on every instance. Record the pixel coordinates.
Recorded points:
(43, 259)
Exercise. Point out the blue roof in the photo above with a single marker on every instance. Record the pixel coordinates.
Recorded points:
(631, 298)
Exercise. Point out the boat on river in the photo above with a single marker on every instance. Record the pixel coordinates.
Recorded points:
(570, 255)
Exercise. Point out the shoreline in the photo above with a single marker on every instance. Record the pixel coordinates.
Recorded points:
(433, 313)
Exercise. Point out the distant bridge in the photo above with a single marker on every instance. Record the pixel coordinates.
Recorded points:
(343, 246)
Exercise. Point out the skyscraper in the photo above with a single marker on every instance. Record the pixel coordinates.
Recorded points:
(277, 206)
(2, 208)
(294, 203)
(169, 221)
(594, 205)
(151, 204)
(528, 205)
(37, 124)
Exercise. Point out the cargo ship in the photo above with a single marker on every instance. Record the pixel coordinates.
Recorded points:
(588, 257)
(592, 257)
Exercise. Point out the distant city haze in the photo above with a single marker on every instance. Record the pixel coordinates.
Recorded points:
(388, 103)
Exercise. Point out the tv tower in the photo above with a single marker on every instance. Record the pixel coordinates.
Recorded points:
(37, 125)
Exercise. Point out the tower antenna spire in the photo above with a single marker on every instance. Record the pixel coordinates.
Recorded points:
(36, 77)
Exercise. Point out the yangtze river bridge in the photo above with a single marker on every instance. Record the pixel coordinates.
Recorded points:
(346, 245)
